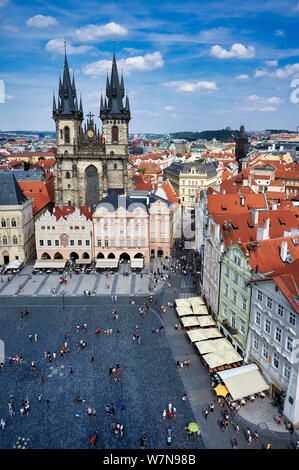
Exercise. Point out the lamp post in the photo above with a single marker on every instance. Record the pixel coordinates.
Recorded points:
(63, 292)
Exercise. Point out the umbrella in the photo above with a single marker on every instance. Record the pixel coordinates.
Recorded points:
(221, 390)
(193, 427)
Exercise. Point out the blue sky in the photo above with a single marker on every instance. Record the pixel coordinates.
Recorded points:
(191, 65)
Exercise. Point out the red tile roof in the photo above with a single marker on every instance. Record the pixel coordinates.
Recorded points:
(232, 202)
(243, 228)
(66, 210)
(42, 193)
(266, 257)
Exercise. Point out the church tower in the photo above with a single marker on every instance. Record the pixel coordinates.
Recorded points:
(115, 115)
(90, 163)
(241, 147)
(68, 116)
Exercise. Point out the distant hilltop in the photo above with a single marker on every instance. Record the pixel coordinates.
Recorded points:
(38, 133)
(223, 134)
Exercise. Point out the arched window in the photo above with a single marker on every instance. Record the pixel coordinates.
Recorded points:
(114, 134)
(67, 175)
(67, 135)
(15, 240)
(13, 223)
(3, 223)
(115, 166)
(61, 133)
(4, 240)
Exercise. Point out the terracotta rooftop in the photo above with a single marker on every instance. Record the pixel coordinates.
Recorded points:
(66, 210)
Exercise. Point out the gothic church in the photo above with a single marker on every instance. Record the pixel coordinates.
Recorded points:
(89, 163)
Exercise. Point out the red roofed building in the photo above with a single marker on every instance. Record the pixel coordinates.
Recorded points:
(42, 193)
(64, 233)
(274, 327)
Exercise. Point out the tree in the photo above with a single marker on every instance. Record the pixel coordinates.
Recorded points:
(27, 165)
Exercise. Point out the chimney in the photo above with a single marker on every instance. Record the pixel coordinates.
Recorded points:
(255, 216)
(242, 199)
(245, 182)
(283, 250)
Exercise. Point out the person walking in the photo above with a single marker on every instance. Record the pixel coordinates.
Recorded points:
(212, 407)
(237, 429)
(143, 441)
(206, 414)
(48, 403)
(42, 380)
(235, 444)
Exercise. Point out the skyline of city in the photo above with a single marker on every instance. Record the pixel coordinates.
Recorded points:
(186, 68)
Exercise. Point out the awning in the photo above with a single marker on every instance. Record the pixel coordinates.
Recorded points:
(206, 320)
(200, 310)
(50, 264)
(182, 303)
(203, 334)
(137, 263)
(190, 321)
(243, 381)
(83, 261)
(196, 302)
(15, 264)
(214, 360)
(184, 311)
(107, 263)
(214, 345)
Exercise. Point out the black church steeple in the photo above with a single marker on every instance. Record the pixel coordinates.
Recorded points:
(113, 107)
(67, 103)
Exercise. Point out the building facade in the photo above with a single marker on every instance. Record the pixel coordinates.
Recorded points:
(187, 179)
(234, 297)
(273, 334)
(64, 234)
(17, 222)
(139, 226)
(88, 162)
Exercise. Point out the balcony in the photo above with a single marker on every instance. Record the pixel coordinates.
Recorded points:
(230, 329)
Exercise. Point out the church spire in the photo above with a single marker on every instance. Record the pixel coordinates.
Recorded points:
(67, 101)
(115, 92)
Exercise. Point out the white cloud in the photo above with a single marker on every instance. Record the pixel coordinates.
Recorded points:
(3, 3)
(9, 28)
(190, 87)
(169, 108)
(237, 51)
(242, 76)
(56, 46)
(41, 21)
(138, 63)
(297, 7)
(257, 103)
(284, 72)
(132, 50)
(271, 63)
(93, 32)
(279, 32)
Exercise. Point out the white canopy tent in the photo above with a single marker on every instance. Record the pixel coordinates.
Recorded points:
(184, 311)
(50, 264)
(137, 263)
(243, 381)
(206, 320)
(190, 321)
(15, 264)
(107, 263)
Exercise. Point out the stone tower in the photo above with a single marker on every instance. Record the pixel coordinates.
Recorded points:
(241, 147)
(89, 163)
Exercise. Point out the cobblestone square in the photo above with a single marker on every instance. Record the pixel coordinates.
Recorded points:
(149, 378)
